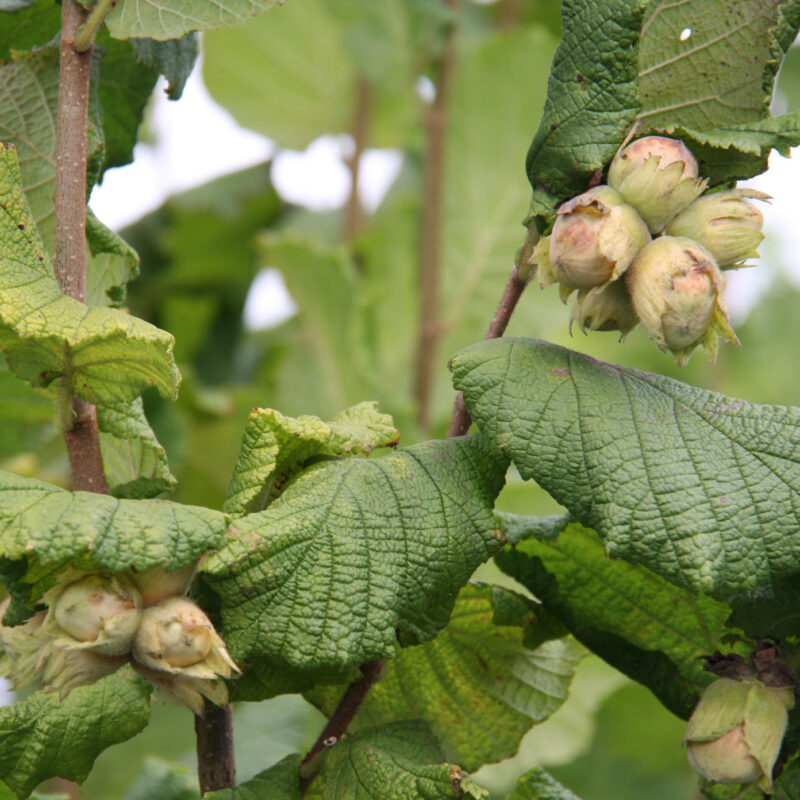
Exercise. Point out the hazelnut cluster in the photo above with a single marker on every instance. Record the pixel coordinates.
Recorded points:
(95, 622)
(650, 247)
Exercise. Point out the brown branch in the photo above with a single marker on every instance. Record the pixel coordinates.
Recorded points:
(79, 420)
(354, 213)
(339, 721)
(517, 281)
(216, 765)
(430, 329)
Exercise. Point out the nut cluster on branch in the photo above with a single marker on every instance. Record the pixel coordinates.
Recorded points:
(650, 248)
(96, 622)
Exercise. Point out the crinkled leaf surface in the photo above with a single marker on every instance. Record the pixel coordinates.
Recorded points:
(698, 487)
(638, 622)
(43, 736)
(538, 785)
(592, 98)
(699, 69)
(134, 460)
(477, 684)
(49, 528)
(106, 355)
(280, 782)
(395, 762)
(170, 19)
(173, 58)
(275, 447)
(354, 549)
(735, 49)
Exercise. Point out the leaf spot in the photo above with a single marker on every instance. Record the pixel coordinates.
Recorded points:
(560, 372)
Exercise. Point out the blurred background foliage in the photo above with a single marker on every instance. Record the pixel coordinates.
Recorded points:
(365, 70)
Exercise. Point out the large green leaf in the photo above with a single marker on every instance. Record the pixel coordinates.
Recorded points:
(538, 785)
(275, 447)
(478, 684)
(699, 487)
(291, 75)
(700, 70)
(592, 98)
(171, 19)
(395, 762)
(50, 528)
(639, 623)
(134, 461)
(736, 49)
(45, 736)
(280, 782)
(354, 550)
(104, 354)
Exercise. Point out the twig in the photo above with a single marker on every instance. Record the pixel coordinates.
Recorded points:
(339, 721)
(216, 765)
(435, 123)
(69, 236)
(354, 213)
(517, 281)
(84, 36)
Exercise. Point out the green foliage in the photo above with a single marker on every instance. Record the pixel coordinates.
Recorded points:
(305, 84)
(49, 529)
(159, 779)
(135, 462)
(394, 762)
(538, 785)
(45, 736)
(279, 782)
(695, 70)
(171, 19)
(699, 487)
(479, 684)
(46, 335)
(592, 99)
(276, 447)
(644, 626)
(357, 551)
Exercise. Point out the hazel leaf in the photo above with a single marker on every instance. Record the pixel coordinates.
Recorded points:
(49, 528)
(638, 622)
(134, 461)
(275, 447)
(44, 736)
(106, 355)
(281, 781)
(171, 19)
(356, 552)
(395, 762)
(538, 785)
(478, 684)
(701, 488)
